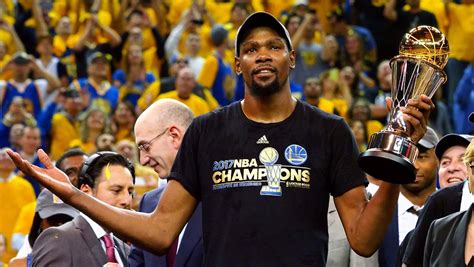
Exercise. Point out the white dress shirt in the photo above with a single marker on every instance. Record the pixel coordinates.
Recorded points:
(99, 233)
(406, 219)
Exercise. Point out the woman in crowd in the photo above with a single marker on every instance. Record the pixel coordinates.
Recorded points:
(94, 122)
(123, 119)
(132, 78)
(336, 92)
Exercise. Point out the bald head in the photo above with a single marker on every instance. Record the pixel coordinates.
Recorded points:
(159, 132)
(164, 112)
(185, 82)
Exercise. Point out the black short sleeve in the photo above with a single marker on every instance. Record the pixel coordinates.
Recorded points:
(345, 171)
(185, 168)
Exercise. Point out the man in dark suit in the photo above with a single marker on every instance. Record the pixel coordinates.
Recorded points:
(108, 177)
(453, 197)
(160, 154)
(450, 239)
(412, 198)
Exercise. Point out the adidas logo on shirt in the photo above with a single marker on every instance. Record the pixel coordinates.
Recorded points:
(262, 140)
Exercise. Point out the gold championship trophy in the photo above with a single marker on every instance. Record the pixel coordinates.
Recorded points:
(418, 69)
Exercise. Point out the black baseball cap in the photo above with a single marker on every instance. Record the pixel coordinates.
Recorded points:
(261, 19)
(451, 140)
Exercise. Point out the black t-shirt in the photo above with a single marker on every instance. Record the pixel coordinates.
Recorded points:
(245, 222)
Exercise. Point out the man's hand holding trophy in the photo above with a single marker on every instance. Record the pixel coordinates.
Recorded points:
(417, 70)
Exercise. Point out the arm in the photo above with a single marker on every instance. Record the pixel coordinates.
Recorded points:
(365, 223)
(112, 35)
(171, 44)
(85, 35)
(41, 26)
(160, 15)
(16, 39)
(389, 10)
(298, 36)
(160, 47)
(174, 210)
(53, 82)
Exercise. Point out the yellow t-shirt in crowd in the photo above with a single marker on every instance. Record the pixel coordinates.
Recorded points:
(461, 32)
(62, 133)
(149, 95)
(326, 105)
(25, 219)
(197, 105)
(211, 101)
(208, 73)
(123, 134)
(88, 147)
(373, 126)
(15, 193)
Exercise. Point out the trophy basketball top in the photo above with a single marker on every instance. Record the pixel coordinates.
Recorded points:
(427, 43)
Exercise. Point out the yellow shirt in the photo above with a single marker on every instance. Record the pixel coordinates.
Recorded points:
(326, 105)
(461, 32)
(122, 134)
(211, 101)
(208, 73)
(373, 126)
(340, 104)
(197, 105)
(25, 219)
(15, 193)
(87, 147)
(149, 95)
(437, 8)
(62, 133)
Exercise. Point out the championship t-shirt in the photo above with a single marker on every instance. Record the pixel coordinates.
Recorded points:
(265, 187)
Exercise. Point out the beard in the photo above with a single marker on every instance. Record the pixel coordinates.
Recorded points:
(267, 89)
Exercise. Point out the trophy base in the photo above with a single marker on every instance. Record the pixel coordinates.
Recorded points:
(270, 191)
(390, 158)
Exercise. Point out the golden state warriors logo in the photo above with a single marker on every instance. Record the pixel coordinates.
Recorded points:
(296, 154)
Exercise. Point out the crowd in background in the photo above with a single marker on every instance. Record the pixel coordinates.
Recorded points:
(76, 74)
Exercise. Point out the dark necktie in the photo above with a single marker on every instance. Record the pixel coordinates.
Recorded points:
(171, 255)
(415, 210)
(109, 248)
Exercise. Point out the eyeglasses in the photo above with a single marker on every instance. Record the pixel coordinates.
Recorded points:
(471, 165)
(145, 146)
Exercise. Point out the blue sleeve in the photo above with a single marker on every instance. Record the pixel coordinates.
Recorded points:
(149, 78)
(113, 96)
(44, 120)
(4, 135)
(369, 41)
(239, 88)
(464, 88)
(119, 75)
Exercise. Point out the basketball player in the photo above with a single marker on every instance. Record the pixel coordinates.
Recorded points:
(249, 218)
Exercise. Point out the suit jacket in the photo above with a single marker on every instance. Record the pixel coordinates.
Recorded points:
(73, 244)
(445, 242)
(388, 251)
(340, 253)
(440, 204)
(190, 251)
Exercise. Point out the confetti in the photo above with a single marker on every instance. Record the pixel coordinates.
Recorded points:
(107, 171)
